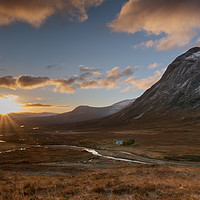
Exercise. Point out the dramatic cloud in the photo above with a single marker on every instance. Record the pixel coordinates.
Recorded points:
(35, 12)
(92, 79)
(89, 84)
(88, 76)
(177, 22)
(114, 75)
(87, 79)
(142, 84)
(39, 105)
(8, 82)
(30, 82)
(63, 85)
(85, 76)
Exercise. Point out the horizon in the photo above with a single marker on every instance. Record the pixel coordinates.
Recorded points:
(62, 59)
(27, 112)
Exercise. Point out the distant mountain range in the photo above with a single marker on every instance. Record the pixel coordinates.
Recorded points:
(80, 113)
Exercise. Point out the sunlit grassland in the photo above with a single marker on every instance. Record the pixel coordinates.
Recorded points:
(133, 182)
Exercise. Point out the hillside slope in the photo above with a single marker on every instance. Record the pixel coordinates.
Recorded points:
(176, 96)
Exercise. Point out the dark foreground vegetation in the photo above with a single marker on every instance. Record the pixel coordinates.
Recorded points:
(132, 182)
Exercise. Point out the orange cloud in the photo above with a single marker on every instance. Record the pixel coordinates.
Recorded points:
(114, 75)
(8, 82)
(35, 12)
(146, 44)
(88, 84)
(63, 85)
(109, 81)
(142, 84)
(88, 79)
(154, 65)
(3, 97)
(30, 82)
(97, 74)
(178, 20)
(40, 105)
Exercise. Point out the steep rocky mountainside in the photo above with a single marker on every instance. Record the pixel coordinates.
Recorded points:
(177, 92)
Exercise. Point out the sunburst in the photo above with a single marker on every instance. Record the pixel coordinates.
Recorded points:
(7, 105)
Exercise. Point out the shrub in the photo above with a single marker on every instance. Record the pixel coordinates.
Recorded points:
(29, 189)
(129, 142)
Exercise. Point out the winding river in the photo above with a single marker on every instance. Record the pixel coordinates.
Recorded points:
(96, 153)
(132, 158)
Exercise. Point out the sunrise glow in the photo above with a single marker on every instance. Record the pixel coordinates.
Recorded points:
(8, 105)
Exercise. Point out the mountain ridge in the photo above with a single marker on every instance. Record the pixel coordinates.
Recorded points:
(81, 113)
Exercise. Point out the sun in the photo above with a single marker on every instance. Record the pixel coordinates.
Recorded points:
(7, 105)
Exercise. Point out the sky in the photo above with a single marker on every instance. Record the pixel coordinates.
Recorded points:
(56, 55)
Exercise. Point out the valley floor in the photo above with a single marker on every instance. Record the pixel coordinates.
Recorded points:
(41, 164)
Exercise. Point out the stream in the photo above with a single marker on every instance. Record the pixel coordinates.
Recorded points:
(92, 151)
(132, 158)
(96, 153)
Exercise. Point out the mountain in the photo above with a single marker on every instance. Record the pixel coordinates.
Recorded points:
(177, 93)
(82, 113)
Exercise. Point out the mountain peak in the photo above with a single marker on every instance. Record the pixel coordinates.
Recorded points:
(193, 54)
(183, 66)
(193, 50)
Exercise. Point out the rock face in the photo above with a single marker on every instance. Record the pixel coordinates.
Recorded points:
(178, 91)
